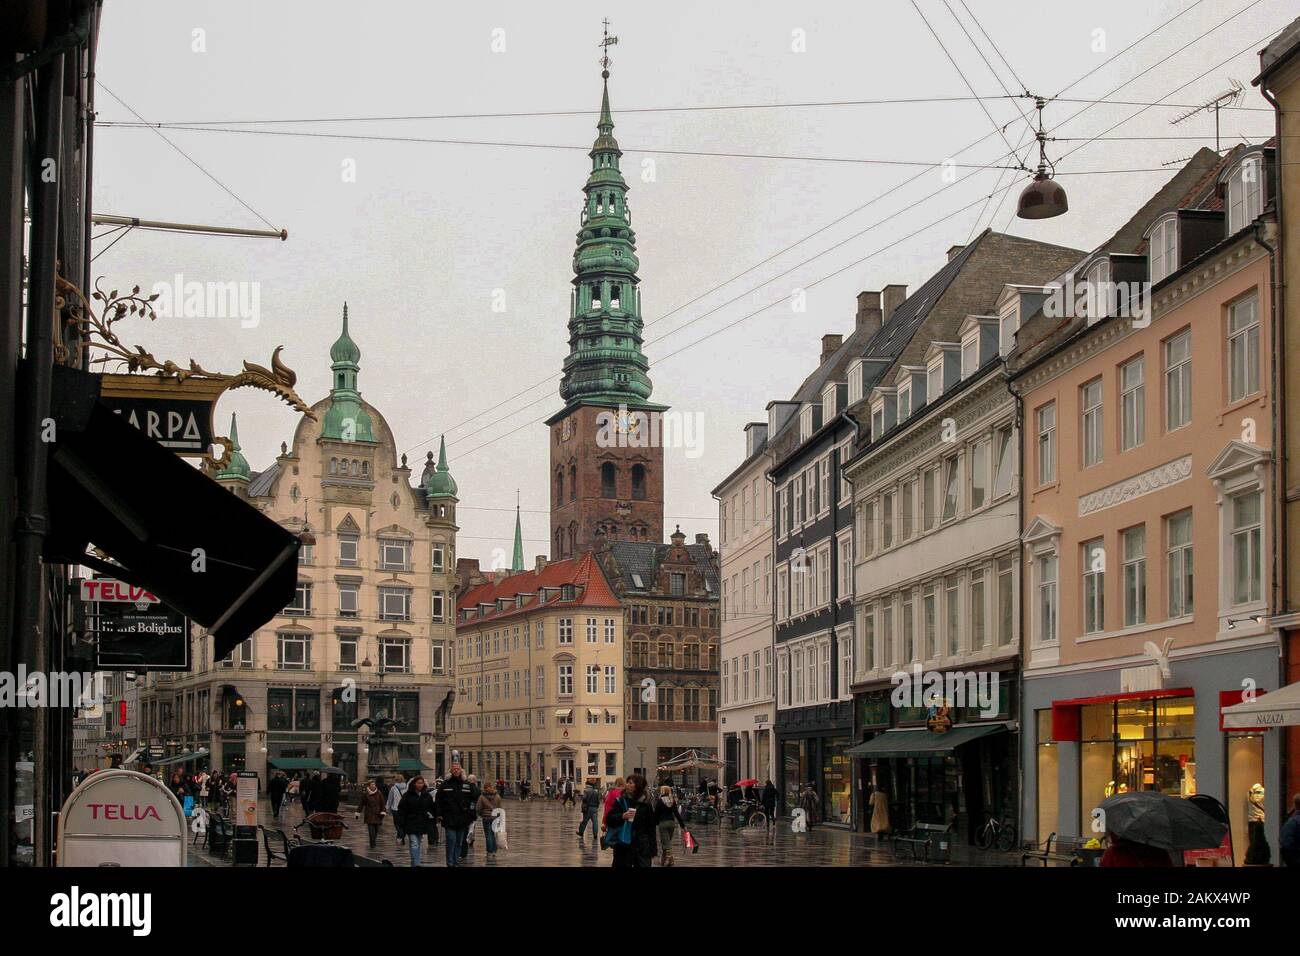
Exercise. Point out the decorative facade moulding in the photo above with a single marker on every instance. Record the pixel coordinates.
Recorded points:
(1162, 476)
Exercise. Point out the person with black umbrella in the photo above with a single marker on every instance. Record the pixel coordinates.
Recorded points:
(1144, 827)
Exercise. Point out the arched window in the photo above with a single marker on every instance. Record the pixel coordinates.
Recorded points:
(356, 468)
(559, 487)
(608, 480)
(573, 482)
(334, 466)
(365, 469)
(615, 297)
(595, 296)
(638, 482)
(573, 539)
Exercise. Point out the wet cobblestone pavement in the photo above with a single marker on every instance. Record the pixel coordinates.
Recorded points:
(545, 834)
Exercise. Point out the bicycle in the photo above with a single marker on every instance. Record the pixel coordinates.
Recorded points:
(995, 832)
(751, 814)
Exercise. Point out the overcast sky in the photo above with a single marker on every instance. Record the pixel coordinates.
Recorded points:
(428, 236)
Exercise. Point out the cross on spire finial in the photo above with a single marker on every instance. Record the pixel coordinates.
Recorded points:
(606, 42)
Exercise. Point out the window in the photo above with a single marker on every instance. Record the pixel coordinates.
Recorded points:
(846, 665)
(349, 545)
(952, 605)
(1046, 598)
(785, 510)
(970, 356)
(540, 682)
(1006, 602)
(888, 652)
(726, 684)
(1002, 466)
(349, 594)
(306, 553)
(1099, 298)
(1178, 380)
(906, 503)
(439, 600)
(1045, 421)
(1247, 549)
(845, 544)
(952, 487)
(866, 528)
(293, 651)
(1164, 249)
(869, 639)
(394, 655)
(394, 604)
(1132, 404)
(824, 484)
(1135, 576)
(1090, 403)
(904, 400)
(978, 611)
(593, 678)
(610, 686)
(1243, 348)
(609, 630)
(301, 599)
(677, 584)
(638, 483)
(1094, 586)
(824, 673)
(566, 631)
(394, 554)
(439, 560)
(591, 630)
(934, 381)
(347, 653)
(979, 474)
(907, 633)
(1007, 327)
(887, 520)
(929, 622)
(877, 420)
(1245, 194)
(929, 499)
(1178, 561)
(607, 481)
(565, 674)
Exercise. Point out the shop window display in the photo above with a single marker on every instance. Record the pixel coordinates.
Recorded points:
(1245, 771)
(1049, 768)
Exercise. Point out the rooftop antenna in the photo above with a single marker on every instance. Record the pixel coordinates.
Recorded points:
(606, 42)
(1228, 98)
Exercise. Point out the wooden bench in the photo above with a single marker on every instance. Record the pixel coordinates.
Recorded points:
(922, 835)
(285, 842)
(1056, 849)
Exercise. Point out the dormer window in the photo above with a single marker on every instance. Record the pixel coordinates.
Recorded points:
(934, 380)
(805, 423)
(904, 401)
(855, 382)
(877, 419)
(970, 354)
(1008, 325)
(1245, 193)
(1098, 287)
(1163, 252)
(828, 402)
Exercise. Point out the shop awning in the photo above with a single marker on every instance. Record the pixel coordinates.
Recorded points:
(1278, 708)
(921, 743)
(134, 756)
(594, 712)
(156, 516)
(296, 763)
(410, 763)
(564, 713)
(182, 758)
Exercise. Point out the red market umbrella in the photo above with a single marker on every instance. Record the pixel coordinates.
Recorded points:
(751, 782)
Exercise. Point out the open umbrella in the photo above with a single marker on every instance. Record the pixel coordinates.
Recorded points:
(751, 782)
(1159, 820)
(337, 770)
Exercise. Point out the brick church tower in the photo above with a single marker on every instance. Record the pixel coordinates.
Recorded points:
(606, 457)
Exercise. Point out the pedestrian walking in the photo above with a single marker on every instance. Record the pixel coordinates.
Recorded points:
(474, 791)
(631, 824)
(879, 813)
(291, 792)
(769, 802)
(591, 802)
(202, 780)
(668, 817)
(417, 811)
(395, 794)
(1289, 840)
(275, 789)
(326, 793)
(488, 801)
(811, 805)
(612, 794)
(372, 808)
(454, 808)
(304, 792)
(568, 800)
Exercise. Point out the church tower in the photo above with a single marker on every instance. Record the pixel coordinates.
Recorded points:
(606, 459)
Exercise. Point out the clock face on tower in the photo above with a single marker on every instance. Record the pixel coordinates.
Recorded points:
(628, 423)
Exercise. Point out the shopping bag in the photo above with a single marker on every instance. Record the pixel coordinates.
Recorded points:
(188, 806)
(688, 839)
(469, 833)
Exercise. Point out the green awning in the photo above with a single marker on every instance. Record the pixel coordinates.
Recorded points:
(296, 763)
(921, 743)
(181, 758)
(410, 763)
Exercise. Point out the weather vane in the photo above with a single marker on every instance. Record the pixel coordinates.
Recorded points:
(607, 42)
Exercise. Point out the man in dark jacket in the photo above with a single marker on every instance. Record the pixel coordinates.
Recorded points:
(304, 792)
(454, 806)
(592, 799)
(325, 794)
(1289, 842)
(275, 790)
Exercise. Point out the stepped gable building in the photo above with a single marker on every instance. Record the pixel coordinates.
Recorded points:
(371, 627)
(670, 598)
(539, 675)
(810, 437)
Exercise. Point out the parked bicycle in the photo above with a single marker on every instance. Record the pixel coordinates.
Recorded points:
(996, 833)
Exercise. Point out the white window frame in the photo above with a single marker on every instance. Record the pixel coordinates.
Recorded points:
(1132, 403)
(1180, 567)
(1045, 443)
(1162, 255)
(1092, 619)
(1242, 353)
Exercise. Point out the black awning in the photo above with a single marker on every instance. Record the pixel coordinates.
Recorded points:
(155, 515)
(921, 743)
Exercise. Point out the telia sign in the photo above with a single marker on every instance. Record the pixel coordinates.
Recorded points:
(121, 818)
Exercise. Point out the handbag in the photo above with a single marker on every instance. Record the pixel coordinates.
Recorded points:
(689, 841)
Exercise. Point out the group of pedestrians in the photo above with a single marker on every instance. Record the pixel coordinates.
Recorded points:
(456, 804)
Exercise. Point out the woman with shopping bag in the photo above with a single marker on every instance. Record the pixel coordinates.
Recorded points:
(630, 825)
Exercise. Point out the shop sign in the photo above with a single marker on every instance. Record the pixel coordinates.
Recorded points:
(246, 799)
(121, 818)
(873, 709)
(938, 718)
(133, 630)
(176, 414)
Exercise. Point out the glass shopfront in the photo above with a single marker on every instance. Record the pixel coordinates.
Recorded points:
(836, 785)
(1245, 771)
(1049, 781)
(1135, 744)
(794, 770)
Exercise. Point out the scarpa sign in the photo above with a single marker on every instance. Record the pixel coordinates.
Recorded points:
(177, 415)
(121, 818)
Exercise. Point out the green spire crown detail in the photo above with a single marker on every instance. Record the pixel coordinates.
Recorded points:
(237, 467)
(347, 418)
(517, 564)
(605, 365)
(440, 483)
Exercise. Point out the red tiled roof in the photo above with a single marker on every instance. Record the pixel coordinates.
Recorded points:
(583, 572)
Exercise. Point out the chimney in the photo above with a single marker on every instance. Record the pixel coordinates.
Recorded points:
(702, 538)
(891, 297)
(830, 343)
(539, 562)
(869, 311)
(953, 251)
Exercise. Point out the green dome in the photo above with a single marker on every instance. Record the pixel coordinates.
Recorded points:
(344, 350)
(440, 483)
(237, 467)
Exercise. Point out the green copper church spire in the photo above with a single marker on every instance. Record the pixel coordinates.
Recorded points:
(605, 365)
(237, 466)
(347, 418)
(518, 563)
(440, 483)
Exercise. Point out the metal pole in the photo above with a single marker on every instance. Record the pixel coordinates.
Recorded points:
(100, 219)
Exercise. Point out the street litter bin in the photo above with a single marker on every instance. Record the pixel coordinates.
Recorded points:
(245, 848)
(218, 835)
